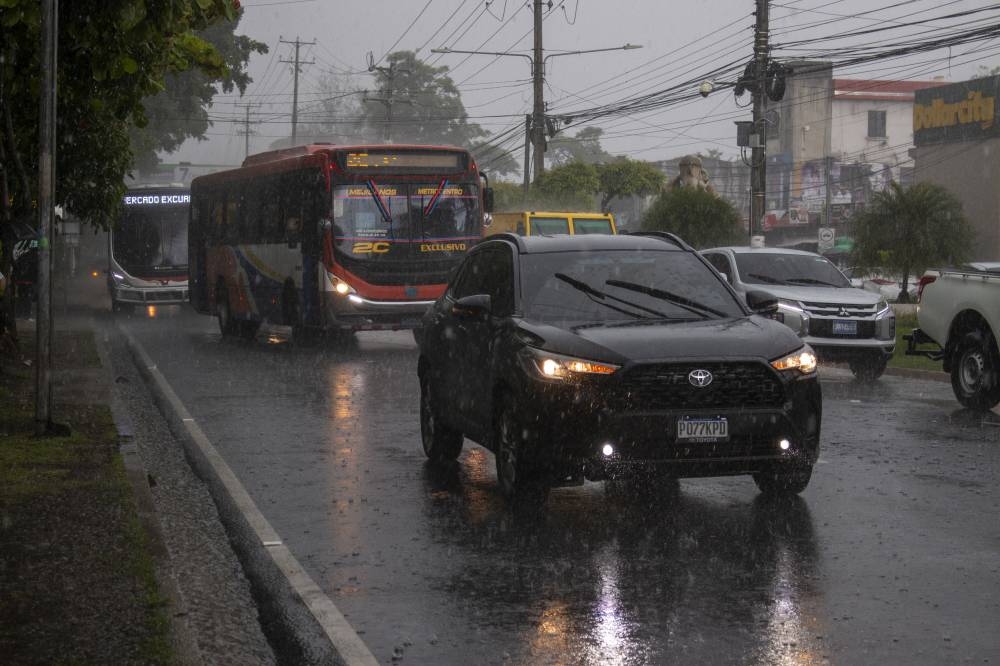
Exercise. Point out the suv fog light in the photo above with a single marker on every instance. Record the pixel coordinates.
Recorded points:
(608, 450)
(785, 445)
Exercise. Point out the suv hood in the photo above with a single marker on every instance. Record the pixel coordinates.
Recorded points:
(746, 337)
(845, 295)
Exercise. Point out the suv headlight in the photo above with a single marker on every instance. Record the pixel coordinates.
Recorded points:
(885, 322)
(792, 315)
(559, 367)
(803, 360)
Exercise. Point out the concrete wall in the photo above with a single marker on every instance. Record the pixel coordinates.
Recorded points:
(971, 171)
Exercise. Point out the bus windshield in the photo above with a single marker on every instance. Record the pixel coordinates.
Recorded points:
(152, 239)
(406, 213)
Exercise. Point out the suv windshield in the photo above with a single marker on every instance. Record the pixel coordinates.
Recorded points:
(577, 288)
(789, 269)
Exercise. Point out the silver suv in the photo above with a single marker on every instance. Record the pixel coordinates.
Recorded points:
(841, 323)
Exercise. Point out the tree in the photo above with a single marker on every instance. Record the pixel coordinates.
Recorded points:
(180, 111)
(112, 55)
(494, 159)
(571, 187)
(624, 177)
(696, 215)
(584, 147)
(418, 103)
(338, 115)
(905, 231)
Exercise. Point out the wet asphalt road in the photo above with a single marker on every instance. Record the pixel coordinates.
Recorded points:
(892, 555)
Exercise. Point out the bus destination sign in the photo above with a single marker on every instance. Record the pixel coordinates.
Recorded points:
(402, 160)
(157, 199)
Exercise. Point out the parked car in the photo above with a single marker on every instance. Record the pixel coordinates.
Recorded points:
(595, 357)
(881, 282)
(840, 322)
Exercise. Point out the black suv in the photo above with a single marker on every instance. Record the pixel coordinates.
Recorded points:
(594, 357)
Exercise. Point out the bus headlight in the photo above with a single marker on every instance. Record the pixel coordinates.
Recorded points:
(340, 286)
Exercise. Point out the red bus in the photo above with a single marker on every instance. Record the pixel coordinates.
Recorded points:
(332, 238)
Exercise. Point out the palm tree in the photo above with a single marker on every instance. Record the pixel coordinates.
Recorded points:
(906, 231)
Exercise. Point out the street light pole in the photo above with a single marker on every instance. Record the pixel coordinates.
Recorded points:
(536, 127)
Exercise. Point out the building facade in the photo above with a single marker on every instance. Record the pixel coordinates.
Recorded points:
(957, 145)
(830, 144)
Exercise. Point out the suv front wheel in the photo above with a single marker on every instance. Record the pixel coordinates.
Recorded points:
(440, 442)
(519, 482)
(868, 368)
(783, 479)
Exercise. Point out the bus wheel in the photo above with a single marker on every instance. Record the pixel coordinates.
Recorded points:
(226, 324)
(248, 329)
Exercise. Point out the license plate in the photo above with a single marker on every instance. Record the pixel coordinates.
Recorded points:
(702, 430)
(845, 327)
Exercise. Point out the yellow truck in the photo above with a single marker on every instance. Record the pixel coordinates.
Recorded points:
(537, 223)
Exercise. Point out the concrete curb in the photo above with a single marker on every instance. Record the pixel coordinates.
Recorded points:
(183, 636)
(303, 624)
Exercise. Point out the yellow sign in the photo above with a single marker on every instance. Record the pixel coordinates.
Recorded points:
(442, 247)
(447, 192)
(974, 109)
(369, 247)
(365, 192)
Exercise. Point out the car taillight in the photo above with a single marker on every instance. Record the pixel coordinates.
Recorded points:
(923, 282)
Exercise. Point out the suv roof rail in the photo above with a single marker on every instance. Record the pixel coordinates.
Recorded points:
(516, 239)
(665, 236)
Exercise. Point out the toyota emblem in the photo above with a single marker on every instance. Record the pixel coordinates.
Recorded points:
(700, 378)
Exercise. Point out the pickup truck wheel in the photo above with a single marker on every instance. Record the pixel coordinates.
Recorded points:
(868, 368)
(974, 376)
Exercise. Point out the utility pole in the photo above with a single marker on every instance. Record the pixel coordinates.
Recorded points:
(295, 86)
(246, 131)
(527, 153)
(758, 157)
(387, 100)
(46, 196)
(538, 76)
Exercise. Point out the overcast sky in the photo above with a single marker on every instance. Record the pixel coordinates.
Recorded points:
(680, 40)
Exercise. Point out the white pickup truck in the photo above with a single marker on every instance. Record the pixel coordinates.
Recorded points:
(959, 313)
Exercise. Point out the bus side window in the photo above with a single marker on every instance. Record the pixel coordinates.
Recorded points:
(232, 219)
(291, 207)
(270, 210)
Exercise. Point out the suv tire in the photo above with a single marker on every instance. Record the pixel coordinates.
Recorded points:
(868, 368)
(783, 479)
(519, 482)
(440, 442)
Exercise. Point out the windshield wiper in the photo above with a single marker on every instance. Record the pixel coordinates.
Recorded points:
(599, 296)
(765, 278)
(686, 303)
(806, 280)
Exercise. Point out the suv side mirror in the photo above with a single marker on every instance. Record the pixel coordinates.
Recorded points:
(475, 306)
(762, 303)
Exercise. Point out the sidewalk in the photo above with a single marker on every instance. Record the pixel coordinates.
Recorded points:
(111, 549)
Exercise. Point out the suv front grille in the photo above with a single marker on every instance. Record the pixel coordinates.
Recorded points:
(839, 310)
(666, 386)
